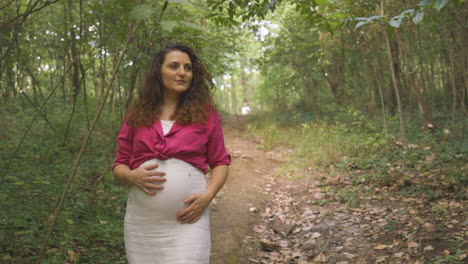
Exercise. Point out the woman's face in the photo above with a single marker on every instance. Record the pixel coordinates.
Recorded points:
(176, 72)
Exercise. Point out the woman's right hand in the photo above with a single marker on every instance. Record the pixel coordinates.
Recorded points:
(147, 178)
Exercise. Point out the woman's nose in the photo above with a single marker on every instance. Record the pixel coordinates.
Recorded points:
(182, 71)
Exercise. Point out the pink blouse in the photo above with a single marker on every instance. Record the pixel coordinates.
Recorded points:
(200, 144)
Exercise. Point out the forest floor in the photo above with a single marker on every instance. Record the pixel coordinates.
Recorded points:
(264, 215)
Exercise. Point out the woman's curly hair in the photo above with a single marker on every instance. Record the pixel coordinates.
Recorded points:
(193, 103)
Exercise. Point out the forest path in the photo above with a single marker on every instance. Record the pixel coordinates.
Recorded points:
(259, 217)
(232, 217)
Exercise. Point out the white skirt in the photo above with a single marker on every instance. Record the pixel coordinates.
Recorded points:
(152, 233)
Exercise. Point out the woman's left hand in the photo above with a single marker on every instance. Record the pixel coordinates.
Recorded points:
(197, 202)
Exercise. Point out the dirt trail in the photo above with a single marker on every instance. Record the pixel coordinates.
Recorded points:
(260, 218)
(232, 217)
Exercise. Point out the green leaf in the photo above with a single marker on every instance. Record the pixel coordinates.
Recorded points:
(339, 15)
(376, 17)
(23, 6)
(141, 12)
(396, 21)
(360, 24)
(408, 12)
(361, 19)
(191, 25)
(389, 31)
(231, 10)
(270, 5)
(424, 3)
(321, 2)
(23, 232)
(418, 17)
(178, 1)
(70, 221)
(169, 25)
(440, 4)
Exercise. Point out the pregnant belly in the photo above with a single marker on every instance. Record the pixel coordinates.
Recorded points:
(169, 201)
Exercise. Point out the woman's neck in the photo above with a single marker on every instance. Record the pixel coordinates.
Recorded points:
(168, 108)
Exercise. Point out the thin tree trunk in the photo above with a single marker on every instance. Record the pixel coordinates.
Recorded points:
(414, 83)
(395, 84)
(132, 83)
(85, 95)
(432, 84)
(443, 82)
(464, 70)
(233, 96)
(424, 76)
(454, 92)
(370, 94)
(381, 95)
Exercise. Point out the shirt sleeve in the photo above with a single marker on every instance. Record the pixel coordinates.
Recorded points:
(125, 147)
(216, 150)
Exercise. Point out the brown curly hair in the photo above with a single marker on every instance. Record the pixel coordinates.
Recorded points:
(192, 104)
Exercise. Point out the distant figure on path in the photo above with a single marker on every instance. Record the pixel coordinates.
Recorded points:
(171, 136)
(245, 110)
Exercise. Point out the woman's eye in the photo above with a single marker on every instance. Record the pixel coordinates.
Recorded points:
(173, 66)
(188, 68)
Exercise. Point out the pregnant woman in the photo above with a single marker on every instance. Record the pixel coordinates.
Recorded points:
(171, 137)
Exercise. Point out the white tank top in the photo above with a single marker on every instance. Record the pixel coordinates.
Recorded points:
(167, 125)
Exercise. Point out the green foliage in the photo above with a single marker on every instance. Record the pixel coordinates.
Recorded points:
(267, 134)
(451, 258)
(415, 16)
(308, 68)
(142, 12)
(349, 197)
(90, 225)
(432, 167)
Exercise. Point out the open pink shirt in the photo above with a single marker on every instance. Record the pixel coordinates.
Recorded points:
(200, 144)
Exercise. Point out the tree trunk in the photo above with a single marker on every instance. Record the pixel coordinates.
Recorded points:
(453, 114)
(381, 95)
(233, 96)
(414, 82)
(395, 84)
(371, 105)
(132, 84)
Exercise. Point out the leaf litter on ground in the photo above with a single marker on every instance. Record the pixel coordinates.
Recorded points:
(295, 227)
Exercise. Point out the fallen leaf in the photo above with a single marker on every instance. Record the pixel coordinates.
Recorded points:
(253, 209)
(429, 226)
(380, 259)
(316, 235)
(398, 255)
(268, 245)
(297, 230)
(380, 247)
(461, 257)
(259, 228)
(71, 255)
(428, 248)
(412, 244)
(320, 258)
(349, 255)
